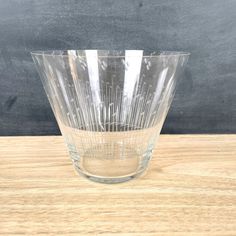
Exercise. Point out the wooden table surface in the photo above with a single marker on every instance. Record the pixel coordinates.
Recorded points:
(189, 189)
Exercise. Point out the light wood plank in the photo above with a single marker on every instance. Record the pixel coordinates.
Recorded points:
(189, 189)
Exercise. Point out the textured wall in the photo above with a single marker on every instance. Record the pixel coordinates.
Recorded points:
(205, 99)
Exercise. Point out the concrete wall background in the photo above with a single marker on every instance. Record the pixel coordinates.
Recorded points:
(205, 99)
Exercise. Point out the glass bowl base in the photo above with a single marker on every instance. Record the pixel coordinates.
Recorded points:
(111, 163)
(109, 180)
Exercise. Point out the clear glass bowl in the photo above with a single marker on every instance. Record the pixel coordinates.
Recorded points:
(110, 105)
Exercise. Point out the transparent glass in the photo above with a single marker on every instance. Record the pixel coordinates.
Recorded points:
(110, 105)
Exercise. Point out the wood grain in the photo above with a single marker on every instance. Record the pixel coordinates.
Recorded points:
(189, 189)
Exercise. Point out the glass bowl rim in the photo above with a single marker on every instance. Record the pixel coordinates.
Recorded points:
(114, 53)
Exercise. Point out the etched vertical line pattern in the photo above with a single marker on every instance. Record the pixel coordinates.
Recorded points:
(84, 113)
(109, 109)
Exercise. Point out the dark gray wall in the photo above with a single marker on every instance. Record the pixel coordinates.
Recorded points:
(206, 98)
